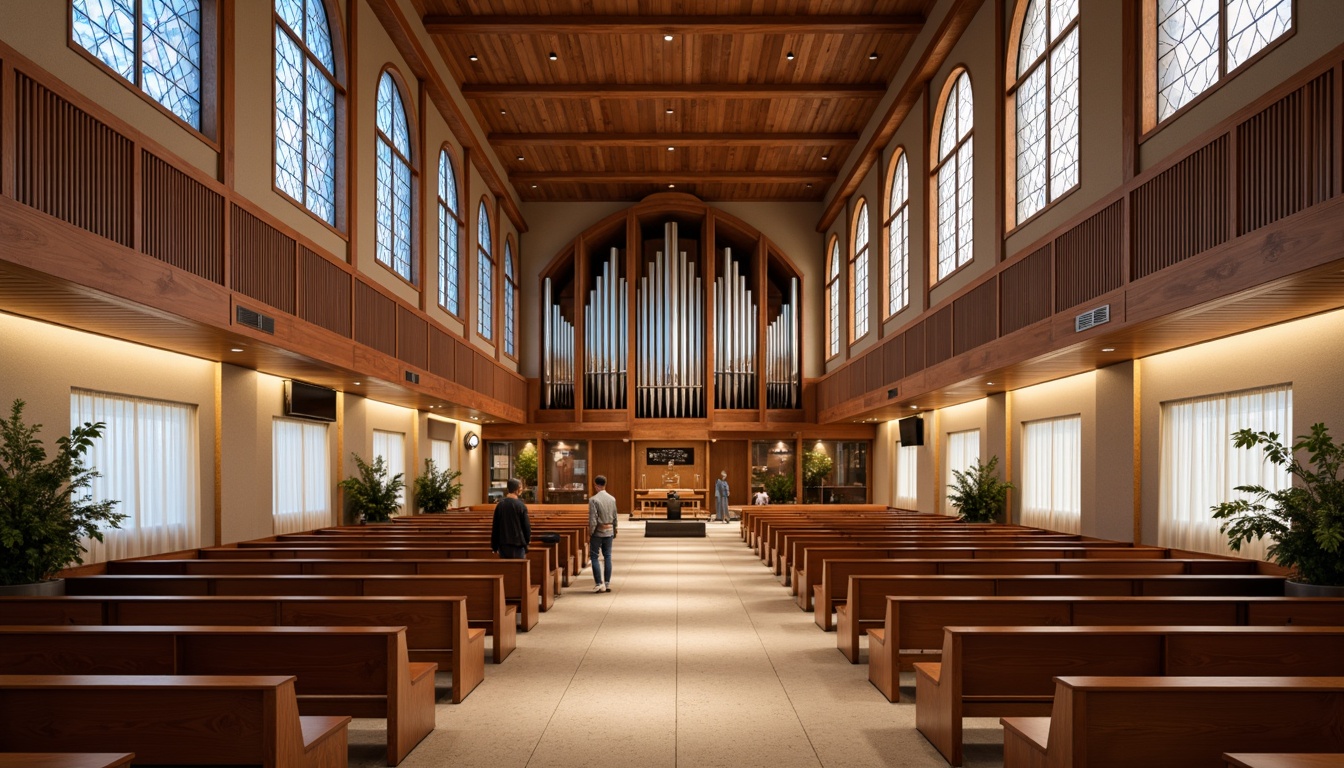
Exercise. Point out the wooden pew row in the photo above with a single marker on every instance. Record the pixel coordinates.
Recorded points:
(65, 759)
(574, 533)
(834, 587)
(436, 627)
(866, 605)
(812, 570)
(781, 556)
(486, 606)
(1284, 760)
(175, 719)
(517, 589)
(1009, 671)
(756, 522)
(775, 538)
(913, 627)
(1185, 721)
(356, 671)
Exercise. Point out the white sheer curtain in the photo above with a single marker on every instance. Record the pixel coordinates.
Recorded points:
(441, 452)
(963, 449)
(1200, 466)
(907, 477)
(392, 447)
(300, 476)
(1052, 469)
(148, 458)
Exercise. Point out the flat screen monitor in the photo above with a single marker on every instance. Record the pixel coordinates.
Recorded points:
(307, 401)
(912, 430)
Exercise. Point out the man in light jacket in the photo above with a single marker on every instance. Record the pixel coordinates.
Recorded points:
(602, 519)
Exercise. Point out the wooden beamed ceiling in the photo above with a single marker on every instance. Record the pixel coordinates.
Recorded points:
(747, 100)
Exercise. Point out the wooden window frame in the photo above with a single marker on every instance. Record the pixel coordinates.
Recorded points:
(509, 269)
(454, 212)
(484, 205)
(934, 140)
(833, 350)
(888, 218)
(852, 265)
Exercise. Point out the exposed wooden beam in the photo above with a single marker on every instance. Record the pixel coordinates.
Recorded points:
(671, 139)
(676, 91)
(867, 24)
(939, 48)
(671, 177)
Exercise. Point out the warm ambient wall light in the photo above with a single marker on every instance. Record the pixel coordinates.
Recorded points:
(471, 441)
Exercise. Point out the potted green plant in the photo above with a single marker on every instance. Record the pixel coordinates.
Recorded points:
(779, 487)
(46, 507)
(1304, 520)
(436, 489)
(979, 493)
(817, 464)
(372, 496)
(525, 469)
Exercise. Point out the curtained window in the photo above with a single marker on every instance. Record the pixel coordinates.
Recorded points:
(907, 476)
(1052, 471)
(300, 476)
(441, 451)
(963, 449)
(1200, 467)
(392, 447)
(149, 461)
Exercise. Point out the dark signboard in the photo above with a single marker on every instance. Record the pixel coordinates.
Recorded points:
(679, 456)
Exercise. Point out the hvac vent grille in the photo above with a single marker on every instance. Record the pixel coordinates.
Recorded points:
(255, 320)
(1092, 318)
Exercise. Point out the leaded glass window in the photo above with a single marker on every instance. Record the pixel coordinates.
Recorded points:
(485, 275)
(858, 271)
(153, 44)
(393, 183)
(306, 91)
(1045, 100)
(450, 229)
(833, 299)
(1200, 41)
(953, 177)
(898, 236)
(510, 302)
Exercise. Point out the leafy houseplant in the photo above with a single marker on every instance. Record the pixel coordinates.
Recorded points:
(1306, 519)
(436, 489)
(372, 496)
(817, 464)
(525, 469)
(979, 493)
(779, 487)
(46, 507)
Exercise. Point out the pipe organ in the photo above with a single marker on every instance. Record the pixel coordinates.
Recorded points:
(783, 383)
(670, 382)
(605, 341)
(557, 338)
(735, 324)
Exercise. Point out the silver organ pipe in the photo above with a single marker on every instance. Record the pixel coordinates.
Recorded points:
(735, 321)
(557, 335)
(670, 316)
(783, 378)
(605, 321)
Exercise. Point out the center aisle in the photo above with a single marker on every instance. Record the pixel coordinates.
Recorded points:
(696, 658)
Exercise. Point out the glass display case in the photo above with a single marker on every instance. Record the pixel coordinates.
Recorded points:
(565, 472)
(836, 472)
(774, 469)
(510, 458)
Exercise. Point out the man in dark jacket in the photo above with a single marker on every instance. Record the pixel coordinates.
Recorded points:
(512, 529)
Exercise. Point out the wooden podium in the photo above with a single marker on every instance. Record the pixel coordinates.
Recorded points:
(651, 503)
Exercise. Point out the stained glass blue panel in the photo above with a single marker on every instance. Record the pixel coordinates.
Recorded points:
(170, 56)
(898, 245)
(288, 116)
(320, 145)
(1187, 51)
(317, 34)
(860, 297)
(448, 235)
(291, 11)
(509, 289)
(107, 29)
(485, 268)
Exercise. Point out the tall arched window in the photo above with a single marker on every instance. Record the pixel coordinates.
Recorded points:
(953, 178)
(154, 44)
(1199, 42)
(306, 93)
(393, 184)
(833, 298)
(898, 234)
(1044, 102)
(858, 274)
(450, 231)
(510, 301)
(485, 275)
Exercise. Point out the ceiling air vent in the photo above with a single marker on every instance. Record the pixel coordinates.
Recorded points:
(1092, 318)
(413, 377)
(255, 320)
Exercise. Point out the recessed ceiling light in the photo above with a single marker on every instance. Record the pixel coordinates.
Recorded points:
(914, 407)
(825, 157)
(356, 383)
(534, 186)
(872, 56)
(520, 158)
(789, 56)
(502, 112)
(669, 110)
(670, 149)
(553, 56)
(474, 57)
(671, 186)
(1108, 349)
(809, 185)
(236, 349)
(667, 38)
(989, 383)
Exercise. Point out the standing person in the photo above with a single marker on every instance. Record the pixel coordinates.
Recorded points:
(721, 497)
(602, 519)
(512, 529)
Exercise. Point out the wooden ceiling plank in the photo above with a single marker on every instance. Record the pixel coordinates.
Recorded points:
(671, 139)
(902, 24)
(671, 177)
(676, 90)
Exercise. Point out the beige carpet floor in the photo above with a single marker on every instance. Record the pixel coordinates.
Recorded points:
(697, 658)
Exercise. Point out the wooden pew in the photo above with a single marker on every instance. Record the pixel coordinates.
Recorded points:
(1184, 721)
(518, 590)
(1283, 760)
(1004, 671)
(357, 671)
(866, 604)
(436, 627)
(486, 606)
(177, 719)
(785, 555)
(913, 626)
(65, 759)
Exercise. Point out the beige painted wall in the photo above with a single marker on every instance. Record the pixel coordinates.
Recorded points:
(1073, 396)
(909, 139)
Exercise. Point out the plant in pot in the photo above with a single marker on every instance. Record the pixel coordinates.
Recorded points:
(436, 489)
(373, 497)
(979, 493)
(779, 487)
(46, 507)
(817, 464)
(525, 469)
(1305, 521)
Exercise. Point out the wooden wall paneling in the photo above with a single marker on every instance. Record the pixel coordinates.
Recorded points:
(1088, 258)
(484, 374)
(613, 458)
(735, 457)
(441, 362)
(1024, 291)
(412, 338)
(875, 374)
(464, 365)
(913, 340)
(938, 336)
(263, 261)
(183, 222)
(1322, 128)
(975, 317)
(324, 293)
(893, 359)
(375, 319)
(1181, 211)
(857, 373)
(1336, 136)
(1271, 163)
(7, 106)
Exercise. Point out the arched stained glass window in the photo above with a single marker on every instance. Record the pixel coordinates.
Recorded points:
(898, 235)
(485, 275)
(450, 232)
(1044, 101)
(953, 178)
(858, 274)
(510, 302)
(154, 44)
(394, 181)
(833, 299)
(306, 92)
